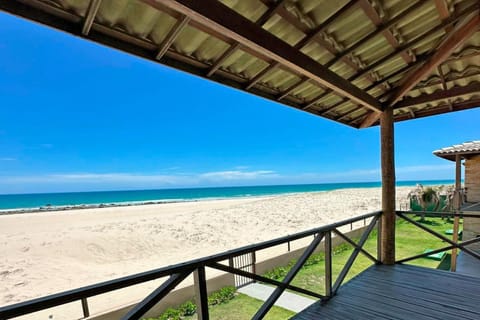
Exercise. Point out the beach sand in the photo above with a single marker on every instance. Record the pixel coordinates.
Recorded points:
(48, 252)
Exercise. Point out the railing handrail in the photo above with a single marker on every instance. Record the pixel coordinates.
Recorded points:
(61, 298)
(461, 214)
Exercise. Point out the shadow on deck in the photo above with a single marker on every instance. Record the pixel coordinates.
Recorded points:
(402, 292)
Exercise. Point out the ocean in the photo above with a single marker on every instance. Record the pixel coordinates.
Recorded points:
(47, 201)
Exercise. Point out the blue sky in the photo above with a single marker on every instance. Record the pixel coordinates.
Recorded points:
(78, 116)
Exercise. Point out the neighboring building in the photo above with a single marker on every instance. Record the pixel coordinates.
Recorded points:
(470, 153)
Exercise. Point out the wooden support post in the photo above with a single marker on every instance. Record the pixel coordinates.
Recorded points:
(457, 203)
(387, 235)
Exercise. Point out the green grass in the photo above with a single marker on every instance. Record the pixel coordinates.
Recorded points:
(243, 307)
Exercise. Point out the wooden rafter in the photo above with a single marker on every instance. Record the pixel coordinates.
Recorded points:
(454, 39)
(310, 36)
(92, 10)
(372, 118)
(381, 28)
(373, 15)
(271, 11)
(394, 54)
(217, 16)
(223, 58)
(447, 79)
(344, 116)
(471, 88)
(444, 83)
(293, 88)
(419, 39)
(325, 111)
(443, 12)
(172, 35)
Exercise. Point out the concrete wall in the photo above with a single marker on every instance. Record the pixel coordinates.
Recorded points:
(472, 178)
(181, 295)
(173, 299)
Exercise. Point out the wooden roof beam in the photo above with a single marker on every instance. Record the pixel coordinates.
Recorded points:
(473, 87)
(310, 36)
(370, 120)
(271, 11)
(172, 35)
(217, 16)
(92, 10)
(453, 40)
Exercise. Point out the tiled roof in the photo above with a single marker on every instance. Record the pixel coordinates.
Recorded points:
(466, 148)
(342, 60)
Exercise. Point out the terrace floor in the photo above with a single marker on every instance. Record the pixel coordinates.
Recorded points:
(468, 265)
(402, 292)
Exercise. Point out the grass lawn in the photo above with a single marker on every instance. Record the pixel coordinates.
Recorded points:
(243, 307)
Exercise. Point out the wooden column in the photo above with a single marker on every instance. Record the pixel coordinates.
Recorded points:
(387, 228)
(457, 203)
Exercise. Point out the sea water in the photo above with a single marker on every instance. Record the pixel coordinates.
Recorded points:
(105, 198)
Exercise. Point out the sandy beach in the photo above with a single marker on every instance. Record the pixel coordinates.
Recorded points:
(49, 252)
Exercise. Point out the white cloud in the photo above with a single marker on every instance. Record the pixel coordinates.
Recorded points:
(237, 175)
(7, 159)
(132, 180)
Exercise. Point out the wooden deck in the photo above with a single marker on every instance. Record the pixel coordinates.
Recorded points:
(402, 292)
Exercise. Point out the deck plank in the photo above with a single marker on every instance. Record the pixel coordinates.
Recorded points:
(402, 292)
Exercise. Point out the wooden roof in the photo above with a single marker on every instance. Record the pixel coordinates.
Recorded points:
(342, 60)
(465, 149)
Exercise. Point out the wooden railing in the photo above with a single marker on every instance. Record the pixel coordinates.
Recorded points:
(177, 273)
(453, 243)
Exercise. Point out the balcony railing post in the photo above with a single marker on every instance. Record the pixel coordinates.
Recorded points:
(201, 295)
(328, 264)
(86, 312)
(254, 262)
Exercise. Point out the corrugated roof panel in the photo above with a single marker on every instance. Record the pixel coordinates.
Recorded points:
(285, 31)
(244, 63)
(250, 9)
(162, 27)
(140, 28)
(211, 49)
(342, 69)
(280, 79)
(317, 53)
(189, 40)
(312, 92)
(138, 19)
(321, 10)
(78, 6)
(111, 11)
